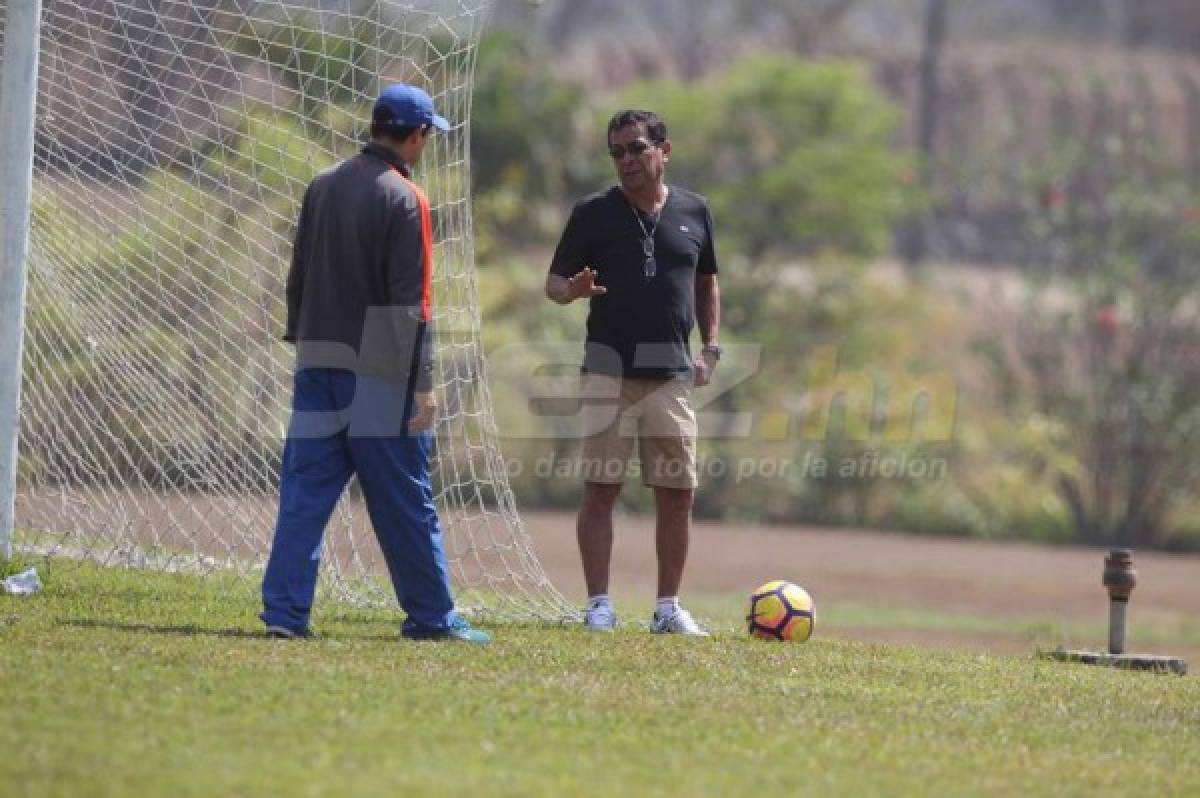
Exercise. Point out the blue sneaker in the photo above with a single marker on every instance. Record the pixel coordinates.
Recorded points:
(459, 629)
(286, 633)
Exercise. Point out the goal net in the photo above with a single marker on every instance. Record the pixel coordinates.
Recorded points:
(175, 139)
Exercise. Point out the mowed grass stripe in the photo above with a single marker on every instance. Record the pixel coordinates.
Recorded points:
(122, 682)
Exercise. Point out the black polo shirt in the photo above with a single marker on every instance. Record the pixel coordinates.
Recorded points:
(640, 327)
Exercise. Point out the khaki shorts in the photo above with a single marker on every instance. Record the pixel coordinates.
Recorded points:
(657, 413)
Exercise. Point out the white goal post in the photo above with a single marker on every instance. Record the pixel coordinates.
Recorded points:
(174, 140)
(17, 100)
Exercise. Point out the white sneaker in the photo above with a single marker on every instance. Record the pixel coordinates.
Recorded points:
(680, 623)
(600, 617)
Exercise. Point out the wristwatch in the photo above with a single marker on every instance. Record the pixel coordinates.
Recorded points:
(712, 349)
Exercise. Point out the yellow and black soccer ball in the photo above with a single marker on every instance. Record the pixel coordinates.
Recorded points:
(781, 610)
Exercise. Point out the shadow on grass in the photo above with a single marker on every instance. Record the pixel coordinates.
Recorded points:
(191, 630)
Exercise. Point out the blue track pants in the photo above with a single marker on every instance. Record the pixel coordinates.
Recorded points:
(344, 424)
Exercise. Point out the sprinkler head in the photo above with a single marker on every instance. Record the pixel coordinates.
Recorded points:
(1119, 574)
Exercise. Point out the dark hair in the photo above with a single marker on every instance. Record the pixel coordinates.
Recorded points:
(656, 128)
(384, 126)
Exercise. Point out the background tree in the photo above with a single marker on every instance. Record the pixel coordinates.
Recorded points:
(1108, 349)
(913, 235)
(793, 156)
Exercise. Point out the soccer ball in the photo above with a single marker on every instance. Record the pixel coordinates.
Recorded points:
(780, 610)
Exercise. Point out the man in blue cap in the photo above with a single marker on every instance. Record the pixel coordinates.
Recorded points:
(358, 310)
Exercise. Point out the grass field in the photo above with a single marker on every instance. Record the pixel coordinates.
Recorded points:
(133, 683)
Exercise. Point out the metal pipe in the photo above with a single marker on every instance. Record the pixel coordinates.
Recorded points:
(1120, 579)
(18, 102)
(1116, 626)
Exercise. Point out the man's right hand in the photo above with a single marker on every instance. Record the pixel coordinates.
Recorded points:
(582, 285)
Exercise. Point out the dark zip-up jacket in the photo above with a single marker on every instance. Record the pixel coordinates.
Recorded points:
(359, 289)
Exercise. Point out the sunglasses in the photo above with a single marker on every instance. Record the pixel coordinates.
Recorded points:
(636, 148)
(650, 265)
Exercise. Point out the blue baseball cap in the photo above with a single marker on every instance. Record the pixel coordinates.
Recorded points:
(408, 106)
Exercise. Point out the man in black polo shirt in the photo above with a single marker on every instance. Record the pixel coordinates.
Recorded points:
(642, 252)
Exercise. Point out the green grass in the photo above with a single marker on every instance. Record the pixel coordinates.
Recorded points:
(1161, 630)
(134, 683)
(1165, 630)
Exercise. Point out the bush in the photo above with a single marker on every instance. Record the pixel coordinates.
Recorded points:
(795, 157)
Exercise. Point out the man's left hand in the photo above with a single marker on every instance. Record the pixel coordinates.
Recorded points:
(424, 410)
(703, 370)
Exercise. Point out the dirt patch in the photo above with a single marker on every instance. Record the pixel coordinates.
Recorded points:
(986, 578)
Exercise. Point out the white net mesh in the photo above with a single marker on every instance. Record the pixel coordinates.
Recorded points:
(175, 140)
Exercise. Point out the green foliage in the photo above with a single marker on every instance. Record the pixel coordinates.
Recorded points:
(178, 282)
(526, 121)
(16, 564)
(795, 157)
(527, 137)
(1001, 484)
(273, 158)
(333, 60)
(326, 66)
(846, 358)
(1113, 362)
